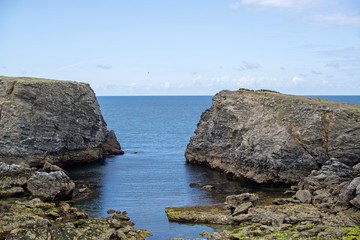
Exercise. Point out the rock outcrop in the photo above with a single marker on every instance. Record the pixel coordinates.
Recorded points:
(272, 138)
(17, 180)
(35, 219)
(51, 121)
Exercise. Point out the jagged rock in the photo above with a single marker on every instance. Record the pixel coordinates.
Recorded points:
(194, 185)
(273, 138)
(50, 186)
(304, 196)
(35, 220)
(48, 167)
(243, 208)
(352, 188)
(301, 228)
(52, 121)
(14, 175)
(356, 201)
(11, 192)
(332, 234)
(234, 201)
(208, 187)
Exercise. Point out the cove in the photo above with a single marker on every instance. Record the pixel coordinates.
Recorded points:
(153, 174)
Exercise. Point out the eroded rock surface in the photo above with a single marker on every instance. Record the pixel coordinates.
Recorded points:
(50, 183)
(272, 138)
(35, 219)
(51, 121)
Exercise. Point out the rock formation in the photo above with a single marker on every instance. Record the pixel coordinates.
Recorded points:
(51, 121)
(272, 138)
(17, 180)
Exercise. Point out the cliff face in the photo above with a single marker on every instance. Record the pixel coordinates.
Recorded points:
(272, 138)
(56, 121)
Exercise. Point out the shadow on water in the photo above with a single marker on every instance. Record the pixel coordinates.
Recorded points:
(225, 186)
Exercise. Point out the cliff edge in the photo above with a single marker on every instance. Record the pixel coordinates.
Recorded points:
(275, 139)
(52, 121)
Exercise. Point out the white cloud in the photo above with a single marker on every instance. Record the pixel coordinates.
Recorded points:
(247, 66)
(332, 65)
(316, 71)
(325, 82)
(132, 85)
(273, 3)
(348, 53)
(235, 5)
(226, 82)
(106, 67)
(336, 19)
(297, 80)
(197, 78)
(166, 85)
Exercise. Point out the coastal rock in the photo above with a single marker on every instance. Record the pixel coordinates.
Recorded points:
(234, 201)
(272, 138)
(208, 187)
(36, 219)
(50, 186)
(304, 196)
(243, 208)
(59, 122)
(14, 175)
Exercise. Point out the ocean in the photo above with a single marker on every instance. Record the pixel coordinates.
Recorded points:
(152, 174)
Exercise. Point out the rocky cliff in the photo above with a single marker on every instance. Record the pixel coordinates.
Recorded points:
(52, 121)
(272, 138)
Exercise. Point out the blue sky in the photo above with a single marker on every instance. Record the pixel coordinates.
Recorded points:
(194, 47)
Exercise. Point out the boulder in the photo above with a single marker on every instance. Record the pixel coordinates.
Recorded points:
(304, 196)
(14, 175)
(50, 186)
(243, 208)
(241, 203)
(59, 122)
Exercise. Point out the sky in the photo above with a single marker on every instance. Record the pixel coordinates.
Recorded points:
(185, 47)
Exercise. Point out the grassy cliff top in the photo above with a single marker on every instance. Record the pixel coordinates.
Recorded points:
(277, 96)
(33, 80)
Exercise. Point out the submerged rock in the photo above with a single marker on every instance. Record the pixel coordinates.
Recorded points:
(55, 121)
(272, 138)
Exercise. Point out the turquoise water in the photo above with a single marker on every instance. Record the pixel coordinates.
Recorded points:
(153, 175)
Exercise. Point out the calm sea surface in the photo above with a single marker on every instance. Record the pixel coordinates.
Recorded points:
(153, 175)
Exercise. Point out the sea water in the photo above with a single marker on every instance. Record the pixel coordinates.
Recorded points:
(153, 174)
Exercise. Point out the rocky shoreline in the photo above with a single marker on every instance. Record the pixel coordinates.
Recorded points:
(34, 204)
(290, 218)
(46, 124)
(276, 139)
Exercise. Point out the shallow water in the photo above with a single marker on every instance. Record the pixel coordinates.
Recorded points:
(153, 175)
